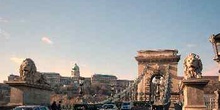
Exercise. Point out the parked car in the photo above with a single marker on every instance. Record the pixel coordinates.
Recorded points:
(127, 105)
(31, 107)
(80, 107)
(109, 107)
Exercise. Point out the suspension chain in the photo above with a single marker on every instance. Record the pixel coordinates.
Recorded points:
(129, 88)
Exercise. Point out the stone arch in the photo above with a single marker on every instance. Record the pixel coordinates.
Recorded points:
(151, 58)
(152, 85)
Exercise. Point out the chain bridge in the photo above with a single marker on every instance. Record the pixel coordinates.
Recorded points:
(156, 81)
(160, 88)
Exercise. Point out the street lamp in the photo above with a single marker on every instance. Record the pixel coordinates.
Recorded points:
(141, 96)
(215, 40)
(81, 83)
(112, 91)
(157, 82)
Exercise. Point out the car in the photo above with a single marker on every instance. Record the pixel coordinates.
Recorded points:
(109, 107)
(127, 105)
(31, 107)
(80, 107)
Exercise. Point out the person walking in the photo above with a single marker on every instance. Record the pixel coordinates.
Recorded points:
(59, 106)
(54, 106)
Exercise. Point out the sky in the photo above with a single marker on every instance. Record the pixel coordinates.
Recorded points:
(103, 36)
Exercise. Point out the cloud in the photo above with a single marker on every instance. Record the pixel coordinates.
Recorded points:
(2, 20)
(190, 45)
(46, 40)
(17, 60)
(4, 34)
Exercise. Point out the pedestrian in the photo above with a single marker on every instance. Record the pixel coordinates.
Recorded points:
(83, 108)
(54, 106)
(59, 106)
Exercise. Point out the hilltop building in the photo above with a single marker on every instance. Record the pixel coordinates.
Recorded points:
(75, 72)
(104, 79)
(52, 78)
(12, 77)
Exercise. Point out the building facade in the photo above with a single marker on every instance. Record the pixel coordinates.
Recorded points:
(122, 85)
(12, 77)
(52, 78)
(104, 79)
(65, 80)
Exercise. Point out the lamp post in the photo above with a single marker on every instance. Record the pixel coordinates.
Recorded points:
(157, 91)
(215, 40)
(141, 96)
(81, 83)
(112, 91)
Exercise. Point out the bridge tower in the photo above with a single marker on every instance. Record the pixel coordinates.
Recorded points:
(154, 61)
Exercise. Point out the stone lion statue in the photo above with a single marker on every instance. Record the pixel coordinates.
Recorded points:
(192, 66)
(28, 73)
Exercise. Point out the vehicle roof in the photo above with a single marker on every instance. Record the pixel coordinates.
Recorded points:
(127, 101)
(31, 106)
(108, 104)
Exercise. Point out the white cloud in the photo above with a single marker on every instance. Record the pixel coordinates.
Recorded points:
(4, 34)
(17, 60)
(2, 20)
(46, 40)
(191, 45)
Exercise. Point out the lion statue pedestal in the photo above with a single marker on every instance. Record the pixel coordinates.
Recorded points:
(193, 84)
(31, 88)
(23, 93)
(193, 94)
